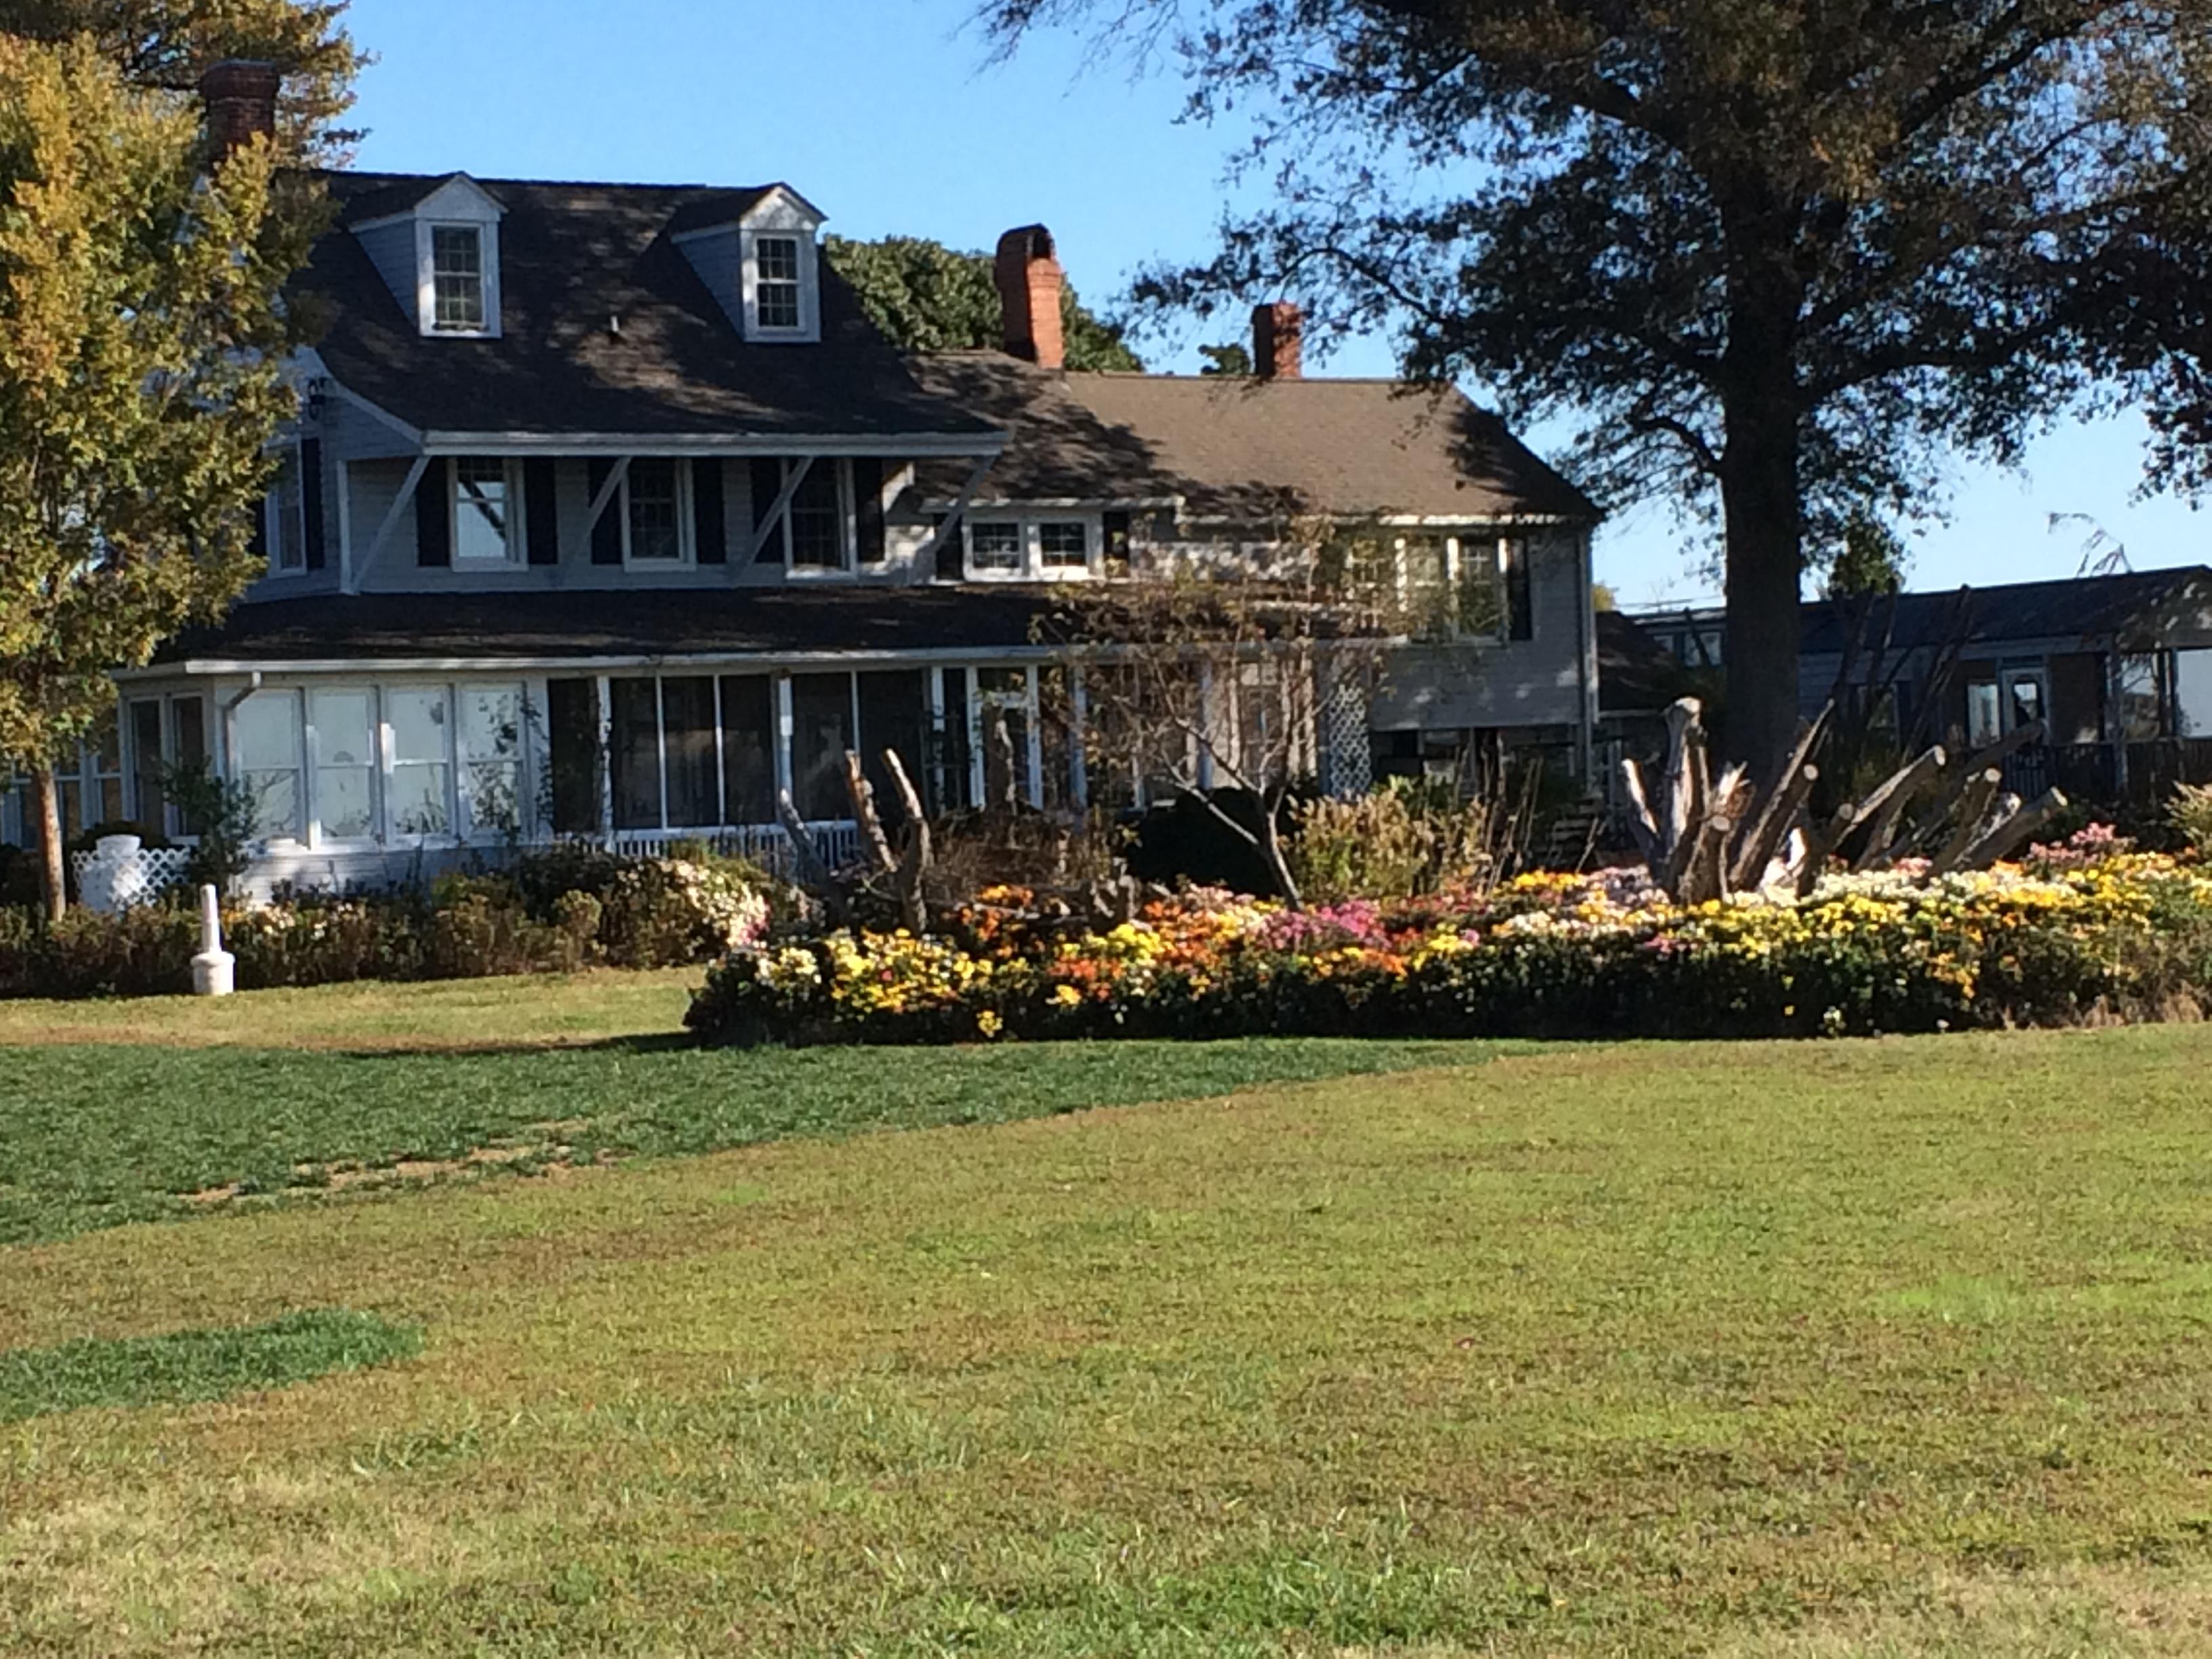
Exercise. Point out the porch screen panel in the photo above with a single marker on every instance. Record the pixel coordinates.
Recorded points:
(687, 722)
(267, 730)
(344, 764)
(572, 731)
(1057, 735)
(422, 760)
(188, 735)
(1004, 695)
(894, 715)
(146, 766)
(2192, 693)
(948, 761)
(492, 724)
(748, 749)
(636, 740)
(820, 732)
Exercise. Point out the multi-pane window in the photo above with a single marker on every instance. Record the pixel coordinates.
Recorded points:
(655, 511)
(342, 736)
(268, 763)
(491, 730)
(1064, 546)
(483, 511)
(994, 548)
(422, 772)
(817, 519)
(775, 281)
(457, 277)
(287, 523)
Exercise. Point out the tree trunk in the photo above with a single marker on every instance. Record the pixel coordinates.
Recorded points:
(1764, 524)
(1272, 850)
(50, 841)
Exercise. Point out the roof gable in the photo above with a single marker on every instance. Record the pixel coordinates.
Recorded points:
(456, 196)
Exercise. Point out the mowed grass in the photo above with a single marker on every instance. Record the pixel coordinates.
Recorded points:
(1899, 1347)
(135, 1110)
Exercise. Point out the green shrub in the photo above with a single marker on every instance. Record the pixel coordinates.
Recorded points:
(1409, 837)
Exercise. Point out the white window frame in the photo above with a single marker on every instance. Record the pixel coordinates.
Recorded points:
(273, 513)
(426, 269)
(808, 330)
(311, 781)
(517, 543)
(1032, 567)
(234, 767)
(849, 532)
(687, 548)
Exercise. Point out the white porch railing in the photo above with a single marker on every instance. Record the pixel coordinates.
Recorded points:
(838, 841)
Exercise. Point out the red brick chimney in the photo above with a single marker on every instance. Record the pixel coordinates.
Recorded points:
(1029, 279)
(1275, 330)
(241, 96)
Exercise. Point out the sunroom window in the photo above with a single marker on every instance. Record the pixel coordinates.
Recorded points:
(268, 761)
(456, 278)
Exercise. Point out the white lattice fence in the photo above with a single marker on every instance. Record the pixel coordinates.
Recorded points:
(112, 882)
(1349, 761)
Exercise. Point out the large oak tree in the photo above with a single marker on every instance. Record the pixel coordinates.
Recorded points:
(1783, 258)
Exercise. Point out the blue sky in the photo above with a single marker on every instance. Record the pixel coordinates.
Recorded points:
(887, 115)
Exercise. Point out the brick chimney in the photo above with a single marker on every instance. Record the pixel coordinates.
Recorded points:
(1275, 330)
(1029, 279)
(241, 96)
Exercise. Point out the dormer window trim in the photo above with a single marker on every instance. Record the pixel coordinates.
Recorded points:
(486, 232)
(779, 270)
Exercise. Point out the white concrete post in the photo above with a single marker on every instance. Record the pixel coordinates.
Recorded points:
(213, 970)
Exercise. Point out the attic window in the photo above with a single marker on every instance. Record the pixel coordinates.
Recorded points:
(457, 279)
(776, 285)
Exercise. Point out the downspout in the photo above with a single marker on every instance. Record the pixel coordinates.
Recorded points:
(1586, 678)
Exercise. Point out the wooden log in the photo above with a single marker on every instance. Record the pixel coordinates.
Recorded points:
(1764, 841)
(2013, 830)
(1970, 806)
(1677, 791)
(916, 856)
(1888, 804)
(1641, 828)
(1784, 802)
(813, 869)
(2020, 738)
(864, 813)
(1819, 844)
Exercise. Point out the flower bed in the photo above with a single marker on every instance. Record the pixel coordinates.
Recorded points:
(552, 912)
(2065, 939)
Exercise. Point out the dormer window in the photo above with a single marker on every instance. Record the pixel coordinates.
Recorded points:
(457, 279)
(775, 286)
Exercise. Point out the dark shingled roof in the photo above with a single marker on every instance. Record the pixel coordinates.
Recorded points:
(613, 622)
(2143, 605)
(1636, 674)
(571, 257)
(1242, 447)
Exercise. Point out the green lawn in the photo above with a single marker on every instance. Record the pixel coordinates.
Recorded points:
(1897, 1347)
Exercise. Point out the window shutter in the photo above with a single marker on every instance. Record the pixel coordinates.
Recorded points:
(310, 498)
(868, 505)
(767, 484)
(1520, 601)
(709, 534)
(1116, 526)
(541, 510)
(606, 534)
(951, 557)
(434, 523)
(256, 533)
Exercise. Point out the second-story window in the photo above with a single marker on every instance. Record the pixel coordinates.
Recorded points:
(456, 278)
(817, 521)
(486, 527)
(287, 528)
(1063, 547)
(775, 281)
(994, 548)
(655, 512)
